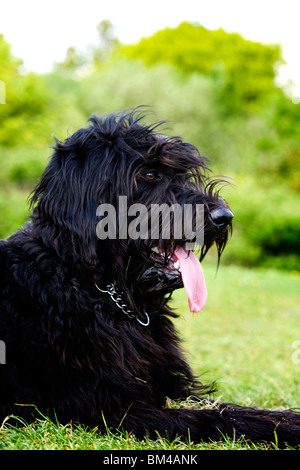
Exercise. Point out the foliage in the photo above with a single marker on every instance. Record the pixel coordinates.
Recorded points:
(13, 209)
(245, 70)
(33, 107)
(283, 117)
(218, 91)
(78, 63)
(27, 100)
(266, 227)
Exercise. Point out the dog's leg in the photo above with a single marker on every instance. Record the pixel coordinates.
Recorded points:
(214, 424)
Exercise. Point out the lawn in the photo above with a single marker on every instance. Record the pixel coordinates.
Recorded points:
(243, 339)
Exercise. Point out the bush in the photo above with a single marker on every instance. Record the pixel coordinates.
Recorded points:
(14, 210)
(244, 69)
(260, 150)
(266, 225)
(23, 164)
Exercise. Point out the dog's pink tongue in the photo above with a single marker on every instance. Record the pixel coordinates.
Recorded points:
(192, 278)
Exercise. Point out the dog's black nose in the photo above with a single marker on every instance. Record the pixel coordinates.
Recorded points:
(221, 217)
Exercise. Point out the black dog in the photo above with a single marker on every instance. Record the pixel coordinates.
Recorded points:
(84, 316)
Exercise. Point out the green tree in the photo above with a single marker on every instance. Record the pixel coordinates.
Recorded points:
(73, 62)
(108, 42)
(245, 70)
(26, 99)
(81, 63)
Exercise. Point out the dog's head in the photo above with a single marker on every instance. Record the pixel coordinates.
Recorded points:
(128, 205)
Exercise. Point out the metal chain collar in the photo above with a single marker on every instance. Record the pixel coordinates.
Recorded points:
(117, 299)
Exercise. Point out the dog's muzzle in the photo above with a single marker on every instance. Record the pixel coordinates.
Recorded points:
(160, 280)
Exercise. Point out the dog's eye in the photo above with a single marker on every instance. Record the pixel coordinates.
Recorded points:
(151, 175)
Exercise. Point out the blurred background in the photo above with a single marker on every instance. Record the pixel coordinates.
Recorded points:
(226, 74)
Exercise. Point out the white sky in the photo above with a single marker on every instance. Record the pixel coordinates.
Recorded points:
(41, 31)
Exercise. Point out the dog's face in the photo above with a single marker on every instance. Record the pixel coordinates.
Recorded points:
(172, 174)
(120, 198)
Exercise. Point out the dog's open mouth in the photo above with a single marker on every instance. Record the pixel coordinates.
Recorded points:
(180, 269)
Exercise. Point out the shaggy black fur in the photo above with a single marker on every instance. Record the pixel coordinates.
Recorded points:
(70, 350)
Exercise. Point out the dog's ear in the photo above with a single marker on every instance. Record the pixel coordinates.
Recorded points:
(65, 203)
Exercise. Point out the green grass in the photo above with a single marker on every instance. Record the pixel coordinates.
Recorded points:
(244, 336)
(243, 339)
(46, 435)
